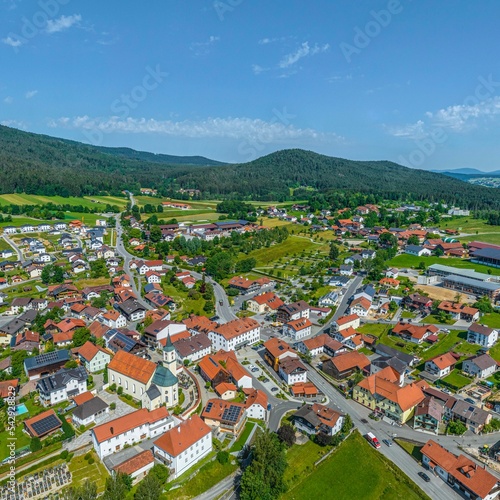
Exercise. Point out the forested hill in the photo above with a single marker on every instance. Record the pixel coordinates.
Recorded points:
(274, 176)
(39, 164)
(160, 158)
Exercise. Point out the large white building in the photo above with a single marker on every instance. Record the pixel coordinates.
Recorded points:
(234, 334)
(482, 335)
(298, 329)
(185, 445)
(135, 427)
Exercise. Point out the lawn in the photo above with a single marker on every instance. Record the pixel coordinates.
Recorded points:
(406, 260)
(195, 205)
(22, 440)
(82, 470)
(98, 202)
(435, 320)
(209, 475)
(185, 303)
(240, 442)
(456, 379)
(407, 315)
(492, 320)
(376, 477)
(293, 246)
(411, 448)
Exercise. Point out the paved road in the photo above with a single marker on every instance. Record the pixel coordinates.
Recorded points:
(342, 308)
(20, 255)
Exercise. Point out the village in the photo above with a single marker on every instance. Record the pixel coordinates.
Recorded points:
(126, 344)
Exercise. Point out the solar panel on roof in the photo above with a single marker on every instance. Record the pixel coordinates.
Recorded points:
(45, 425)
(209, 406)
(44, 358)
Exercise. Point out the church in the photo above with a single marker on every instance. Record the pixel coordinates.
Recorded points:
(152, 384)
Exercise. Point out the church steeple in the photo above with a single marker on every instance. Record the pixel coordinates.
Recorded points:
(169, 357)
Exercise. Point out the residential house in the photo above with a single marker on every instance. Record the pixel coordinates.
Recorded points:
(417, 250)
(344, 365)
(256, 404)
(428, 415)
(93, 357)
(320, 344)
(44, 364)
(481, 366)
(43, 424)
(89, 412)
(315, 418)
(292, 371)
(482, 335)
(441, 365)
(276, 350)
(468, 478)
(224, 366)
(413, 333)
(381, 392)
(360, 306)
(264, 303)
(132, 310)
(225, 416)
(115, 435)
(137, 467)
(62, 385)
(473, 417)
(290, 312)
(184, 446)
(297, 329)
(459, 311)
(192, 348)
(350, 321)
(113, 319)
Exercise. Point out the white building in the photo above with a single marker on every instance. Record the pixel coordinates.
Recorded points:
(292, 371)
(482, 335)
(113, 319)
(298, 328)
(235, 334)
(93, 357)
(89, 412)
(62, 385)
(133, 428)
(184, 445)
(256, 404)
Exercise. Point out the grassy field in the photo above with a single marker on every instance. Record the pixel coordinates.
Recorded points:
(240, 442)
(456, 379)
(411, 448)
(184, 302)
(376, 477)
(88, 201)
(82, 470)
(405, 260)
(293, 246)
(436, 321)
(492, 320)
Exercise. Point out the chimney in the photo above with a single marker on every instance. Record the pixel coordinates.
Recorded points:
(179, 429)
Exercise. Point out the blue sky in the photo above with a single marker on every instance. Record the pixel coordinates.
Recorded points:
(416, 82)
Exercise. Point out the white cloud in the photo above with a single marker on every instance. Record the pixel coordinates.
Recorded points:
(12, 42)
(62, 23)
(303, 51)
(8, 100)
(229, 128)
(31, 93)
(257, 70)
(14, 124)
(459, 118)
(203, 48)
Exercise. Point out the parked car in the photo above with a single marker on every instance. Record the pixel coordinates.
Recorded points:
(424, 476)
(254, 370)
(266, 380)
(274, 389)
(387, 442)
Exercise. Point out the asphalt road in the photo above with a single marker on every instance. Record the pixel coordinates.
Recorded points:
(20, 255)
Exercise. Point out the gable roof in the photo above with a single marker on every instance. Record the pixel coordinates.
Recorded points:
(350, 360)
(137, 462)
(444, 360)
(132, 366)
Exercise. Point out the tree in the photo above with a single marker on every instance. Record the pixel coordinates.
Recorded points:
(219, 265)
(223, 457)
(35, 444)
(334, 251)
(456, 427)
(245, 265)
(98, 269)
(324, 439)
(117, 486)
(484, 305)
(347, 425)
(52, 274)
(263, 478)
(155, 234)
(87, 491)
(150, 488)
(286, 434)
(160, 472)
(81, 336)
(413, 240)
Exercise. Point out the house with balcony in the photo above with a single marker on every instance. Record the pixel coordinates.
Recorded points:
(442, 365)
(315, 418)
(225, 416)
(62, 385)
(482, 335)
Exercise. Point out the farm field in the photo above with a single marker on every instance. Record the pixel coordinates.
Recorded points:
(376, 477)
(88, 201)
(195, 205)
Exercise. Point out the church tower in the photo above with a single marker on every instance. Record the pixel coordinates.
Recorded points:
(169, 357)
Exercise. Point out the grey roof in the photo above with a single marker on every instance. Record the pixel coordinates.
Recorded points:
(470, 412)
(469, 273)
(28, 316)
(60, 379)
(485, 285)
(489, 253)
(89, 408)
(430, 406)
(192, 344)
(13, 327)
(483, 362)
(399, 365)
(46, 359)
(413, 248)
(481, 329)
(153, 392)
(130, 306)
(389, 352)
